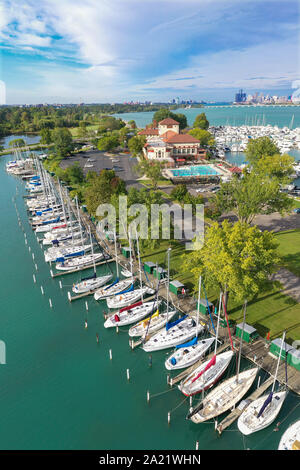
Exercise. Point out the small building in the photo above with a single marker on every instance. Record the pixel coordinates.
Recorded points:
(126, 251)
(248, 334)
(293, 358)
(176, 287)
(160, 273)
(276, 345)
(203, 308)
(149, 267)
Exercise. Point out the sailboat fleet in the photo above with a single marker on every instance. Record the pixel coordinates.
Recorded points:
(158, 326)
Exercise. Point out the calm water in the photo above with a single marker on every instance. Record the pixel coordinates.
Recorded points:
(59, 390)
(29, 139)
(231, 115)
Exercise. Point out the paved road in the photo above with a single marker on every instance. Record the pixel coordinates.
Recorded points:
(274, 222)
(290, 282)
(94, 160)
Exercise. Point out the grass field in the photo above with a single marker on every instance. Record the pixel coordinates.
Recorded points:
(289, 249)
(271, 311)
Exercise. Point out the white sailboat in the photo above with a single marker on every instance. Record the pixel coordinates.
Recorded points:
(127, 298)
(131, 314)
(93, 282)
(227, 394)
(210, 371)
(78, 262)
(187, 354)
(263, 411)
(290, 440)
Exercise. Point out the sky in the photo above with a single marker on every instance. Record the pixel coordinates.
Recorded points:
(72, 51)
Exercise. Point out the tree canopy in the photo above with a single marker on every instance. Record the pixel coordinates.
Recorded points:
(252, 195)
(260, 147)
(237, 258)
(151, 170)
(164, 113)
(201, 121)
(205, 137)
(100, 188)
(63, 142)
(107, 143)
(17, 143)
(136, 144)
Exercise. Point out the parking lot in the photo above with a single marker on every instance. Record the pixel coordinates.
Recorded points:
(94, 160)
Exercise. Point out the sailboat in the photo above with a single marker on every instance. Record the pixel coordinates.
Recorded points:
(188, 353)
(227, 394)
(263, 411)
(131, 314)
(210, 371)
(92, 282)
(116, 287)
(290, 440)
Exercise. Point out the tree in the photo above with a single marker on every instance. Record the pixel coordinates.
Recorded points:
(201, 121)
(101, 187)
(107, 143)
(17, 143)
(82, 130)
(205, 137)
(151, 170)
(260, 147)
(164, 113)
(46, 137)
(179, 192)
(136, 144)
(275, 166)
(252, 195)
(63, 142)
(74, 174)
(132, 124)
(237, 258)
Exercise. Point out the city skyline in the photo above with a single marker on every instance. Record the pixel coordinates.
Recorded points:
(150, 51)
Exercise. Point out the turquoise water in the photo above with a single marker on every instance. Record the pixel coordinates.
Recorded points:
(231, 115)
(58, 389)
(201, 170)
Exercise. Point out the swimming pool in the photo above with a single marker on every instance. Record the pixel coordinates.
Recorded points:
(198, 170)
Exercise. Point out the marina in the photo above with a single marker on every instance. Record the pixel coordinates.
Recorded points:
(183, 306)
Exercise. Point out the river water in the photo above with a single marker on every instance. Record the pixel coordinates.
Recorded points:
(58, 388)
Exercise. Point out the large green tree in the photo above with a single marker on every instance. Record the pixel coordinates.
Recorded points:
(251, 195)
(150, 169)
(260, 147)
(100, 189)
(201, 121)
(46, 137)
(205, 137)
(17, 143)
(136, 144)
(63, 142)
(237, 258)
(107, 143)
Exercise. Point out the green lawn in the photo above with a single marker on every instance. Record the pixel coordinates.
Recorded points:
(289, 249)
(271, 311)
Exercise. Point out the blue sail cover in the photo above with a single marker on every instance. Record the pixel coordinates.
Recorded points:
(60, 260)
(35, 178)
(46, 222)
(266, 403)
(112, 284)
(189, 343)
(130, 289)
(75, 253)
(170, 325)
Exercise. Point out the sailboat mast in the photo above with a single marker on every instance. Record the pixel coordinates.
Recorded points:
(198, 306)
(241, 342)
(140, 269)
(218, 323)
(168, 281)
(115, 240)
(78, 215)
(92, 248)
(279, 357)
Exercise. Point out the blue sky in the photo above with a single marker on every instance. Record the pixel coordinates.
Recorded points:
(116, 50)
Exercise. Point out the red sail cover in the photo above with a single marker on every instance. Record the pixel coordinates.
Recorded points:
(117, 318)
(130, 306)
(211, 363)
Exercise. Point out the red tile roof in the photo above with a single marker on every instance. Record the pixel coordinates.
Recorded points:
(168, 122)
(235, 169)
(182, 139)
(149, 131)
(167, 135)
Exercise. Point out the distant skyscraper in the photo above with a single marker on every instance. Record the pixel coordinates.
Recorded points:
(240, 97)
